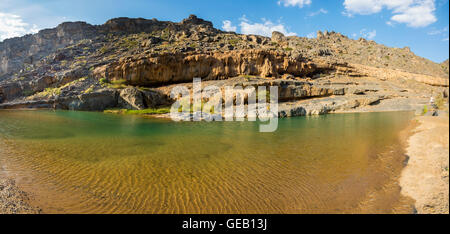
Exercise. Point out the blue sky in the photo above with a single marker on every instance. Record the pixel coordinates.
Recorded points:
(420, 24)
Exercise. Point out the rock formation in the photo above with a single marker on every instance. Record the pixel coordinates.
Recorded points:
(128, 63)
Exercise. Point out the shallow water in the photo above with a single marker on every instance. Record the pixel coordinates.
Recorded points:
(81, 162)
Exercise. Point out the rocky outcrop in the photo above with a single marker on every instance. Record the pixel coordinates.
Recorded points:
(370, 53)
(131, 99)
(277, 37)
(183, 67)
(128, 98)
(154, 98)
(388, 74)
(445, 66)
(18, 52)
(95, 101)
(130, 63)
(323, 106)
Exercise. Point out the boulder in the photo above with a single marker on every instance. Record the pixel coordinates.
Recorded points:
(277, 36)
(320, 35)
(131, 98)
(95, 101)
(42, 83)
(193, 19)
(154, 98)
(288, 77)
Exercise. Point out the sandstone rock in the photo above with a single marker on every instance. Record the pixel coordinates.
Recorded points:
(11, 90)
(319, 35)
(445, 66)
(153, 98)
(131, 98)
(150, 41)
(42, 83)
(149, 53)
(288, 77)
(95, 101)
(183, 67)
(16, 52)
(278, 37)
(193, 19)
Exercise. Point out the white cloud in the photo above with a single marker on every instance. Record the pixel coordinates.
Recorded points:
(13, 26)
(321, 11)
(362, 7)
(228, 26)
(414, 13)
(265, 28)
(439, 31)
(367, 34)
(299, 3)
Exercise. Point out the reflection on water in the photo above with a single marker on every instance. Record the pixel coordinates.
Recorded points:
(82, 162)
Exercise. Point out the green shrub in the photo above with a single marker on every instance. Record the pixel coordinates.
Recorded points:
(27, 92)
(118, 84)
(150, 111)
(51, 91)
(248, 76)
(425, 110)
(129, 43)
(233, 42)
(104, 81)
(103, 50)
(89, 90)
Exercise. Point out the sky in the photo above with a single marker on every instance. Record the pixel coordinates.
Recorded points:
(421, 25)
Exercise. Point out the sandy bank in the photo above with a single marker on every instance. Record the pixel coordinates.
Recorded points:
(425, 178)
(13, 200)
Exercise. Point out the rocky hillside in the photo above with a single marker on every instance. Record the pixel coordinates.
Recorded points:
(445, 66)
(81, 66)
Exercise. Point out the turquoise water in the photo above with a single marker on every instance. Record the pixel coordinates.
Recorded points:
(82, 162)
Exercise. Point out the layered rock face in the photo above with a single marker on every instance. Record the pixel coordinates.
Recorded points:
(183, 67)
(16, 53)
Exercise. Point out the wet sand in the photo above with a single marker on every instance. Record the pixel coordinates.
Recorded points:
(425, 178)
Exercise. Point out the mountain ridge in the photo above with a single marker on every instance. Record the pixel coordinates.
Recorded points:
(77, 59)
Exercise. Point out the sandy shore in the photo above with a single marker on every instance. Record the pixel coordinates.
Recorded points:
(425, 178)
(13, 200)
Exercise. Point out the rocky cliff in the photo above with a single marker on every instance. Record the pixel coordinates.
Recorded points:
(77, 64)
(445, 66)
